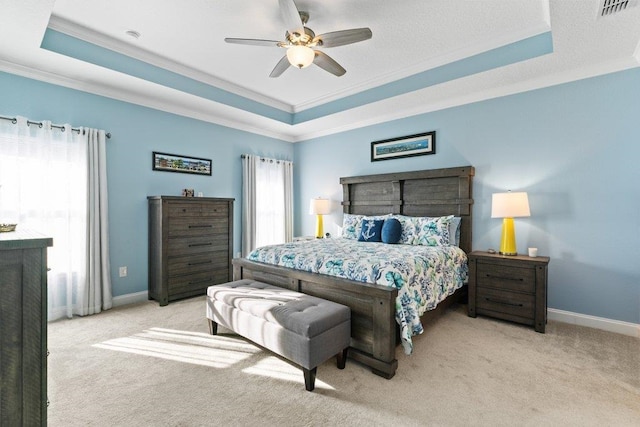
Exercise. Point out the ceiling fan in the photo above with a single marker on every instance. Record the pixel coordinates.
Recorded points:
(300, 42)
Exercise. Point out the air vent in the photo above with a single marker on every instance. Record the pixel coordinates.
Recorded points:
(614, 7)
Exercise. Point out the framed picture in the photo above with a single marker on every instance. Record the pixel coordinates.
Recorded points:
(419, 144)
(184, 164)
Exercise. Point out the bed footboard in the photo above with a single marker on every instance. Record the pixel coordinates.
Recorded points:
(373, 325)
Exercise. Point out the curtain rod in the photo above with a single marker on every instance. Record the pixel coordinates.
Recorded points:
(29, 122)
(263, 159)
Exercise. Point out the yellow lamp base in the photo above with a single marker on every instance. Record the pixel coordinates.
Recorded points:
(319, 227)
(508, 240)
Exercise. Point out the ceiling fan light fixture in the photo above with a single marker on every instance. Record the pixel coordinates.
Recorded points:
(300, 56)
(300, 42)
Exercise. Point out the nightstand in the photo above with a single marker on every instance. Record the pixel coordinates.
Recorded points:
(509, 287)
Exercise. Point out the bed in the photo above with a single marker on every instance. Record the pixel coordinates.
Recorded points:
(375, 333)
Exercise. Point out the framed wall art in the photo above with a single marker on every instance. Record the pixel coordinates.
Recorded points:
(184, 164)
(419, 144)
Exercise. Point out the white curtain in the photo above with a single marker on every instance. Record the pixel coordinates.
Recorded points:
(267, 196)
(45, 187)
(96, 295)
(248, 203)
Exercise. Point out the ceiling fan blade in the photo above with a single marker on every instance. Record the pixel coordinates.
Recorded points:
(291, 16)
(254, 42)
(340, 38)
(327, 63)
(280, 67)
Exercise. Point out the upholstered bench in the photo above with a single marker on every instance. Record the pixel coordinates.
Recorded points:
(301, 328)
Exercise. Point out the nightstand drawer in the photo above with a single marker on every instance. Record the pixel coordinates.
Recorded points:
(519, 279)
(498, 301)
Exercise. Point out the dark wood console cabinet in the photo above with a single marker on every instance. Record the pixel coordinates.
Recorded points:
(509, 287)
(23, 328)
(190, 245)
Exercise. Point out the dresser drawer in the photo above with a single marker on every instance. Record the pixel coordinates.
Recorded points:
(194, 245)
(512, 278)
(196, 226)
(202, 262)
(494, 302)
(195, 209)
(197, 282)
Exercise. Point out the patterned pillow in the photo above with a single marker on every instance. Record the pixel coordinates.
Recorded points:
(371, 230)
(409, 232)
(351, 226)
(433, 231)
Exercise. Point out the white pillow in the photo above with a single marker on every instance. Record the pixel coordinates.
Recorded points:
(454, 231)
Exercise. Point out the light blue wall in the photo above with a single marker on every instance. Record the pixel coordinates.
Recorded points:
(136, 132)
(574, 148)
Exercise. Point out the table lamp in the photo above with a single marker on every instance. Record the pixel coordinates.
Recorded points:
(319, 207)
(508, 206)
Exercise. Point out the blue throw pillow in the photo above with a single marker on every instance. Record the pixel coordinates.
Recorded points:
(391, 231)
(371, 230)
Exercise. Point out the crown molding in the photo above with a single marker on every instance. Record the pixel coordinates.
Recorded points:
(413, 107)
(402, 106)
(86, 34)
(434, 62)
(176, 102)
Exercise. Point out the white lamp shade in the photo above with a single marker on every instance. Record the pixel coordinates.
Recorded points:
(320, 206)
(509, 205)
(300, 56)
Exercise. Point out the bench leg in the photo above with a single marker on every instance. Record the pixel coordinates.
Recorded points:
(342, 358)
(213, 327)
(309, 378)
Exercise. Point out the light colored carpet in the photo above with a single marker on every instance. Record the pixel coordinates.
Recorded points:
(145, 365)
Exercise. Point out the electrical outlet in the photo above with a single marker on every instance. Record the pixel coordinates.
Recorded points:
(123, 271)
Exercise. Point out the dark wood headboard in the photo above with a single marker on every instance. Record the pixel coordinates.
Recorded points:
(435, 192)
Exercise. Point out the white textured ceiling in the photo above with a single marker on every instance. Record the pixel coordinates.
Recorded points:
(409, 37)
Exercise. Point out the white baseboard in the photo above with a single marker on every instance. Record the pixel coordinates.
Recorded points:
(61, 312)
(130, 298)
(617, 326)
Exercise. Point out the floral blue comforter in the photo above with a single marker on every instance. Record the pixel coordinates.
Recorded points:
(423, 275)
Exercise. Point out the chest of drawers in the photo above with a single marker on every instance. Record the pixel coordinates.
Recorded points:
(23, 328)
(190, 245)
(509, 287)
